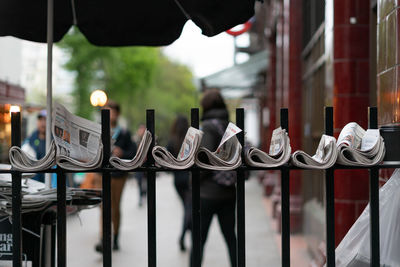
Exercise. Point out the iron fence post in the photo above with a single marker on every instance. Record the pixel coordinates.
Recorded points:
(151, 194)
(374, 198)
(106, 185)
(16, 194)
(61, 220)
(196, 227)
(285, 199)
(330, 197)
(240, 197)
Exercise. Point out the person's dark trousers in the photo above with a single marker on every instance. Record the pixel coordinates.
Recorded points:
(140, 176)
(181, 183)
(187, 218)
(225, 211)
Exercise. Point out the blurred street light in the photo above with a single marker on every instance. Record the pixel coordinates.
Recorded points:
(98, 98)
(14, 108)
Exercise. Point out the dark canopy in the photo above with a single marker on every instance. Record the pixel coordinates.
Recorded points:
(121, 22)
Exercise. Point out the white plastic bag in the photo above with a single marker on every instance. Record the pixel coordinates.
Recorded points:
(354, 249)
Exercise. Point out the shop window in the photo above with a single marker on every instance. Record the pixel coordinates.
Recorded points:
(313, 17)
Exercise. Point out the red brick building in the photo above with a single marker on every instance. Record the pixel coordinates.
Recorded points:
(322, 53)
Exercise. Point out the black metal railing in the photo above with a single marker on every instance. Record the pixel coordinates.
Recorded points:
(329, 197)
(151, 170)
(196, 234)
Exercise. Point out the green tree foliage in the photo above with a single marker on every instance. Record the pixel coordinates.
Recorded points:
(138, 78)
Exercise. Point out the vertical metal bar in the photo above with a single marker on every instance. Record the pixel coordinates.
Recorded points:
(240, 198)
(151, 195)
(285, 119)
(372, 118)
(49, 96)
(105, 135)
(61, 220)
(196, 234)
(374, 198)
(53, 240)
(330, 197)
(285, 198)
(16, 194)
(329, 121)
(240, 124)
(106, 185)
(48, 239)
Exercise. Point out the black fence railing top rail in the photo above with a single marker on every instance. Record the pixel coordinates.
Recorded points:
(245, 167)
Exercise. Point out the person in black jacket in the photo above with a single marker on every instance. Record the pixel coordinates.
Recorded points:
(216, 199)
(181, 178)
(124, 148)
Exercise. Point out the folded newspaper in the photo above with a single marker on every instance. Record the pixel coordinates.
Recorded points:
(324, 158)
(21, 160)
(138, 160)
(226, 156)
(279, 151)
(358, 147)
(186, 155)
(78, 141)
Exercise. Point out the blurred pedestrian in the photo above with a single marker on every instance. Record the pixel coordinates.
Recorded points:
(216, 198)
(141, 176)
(181, 178)
(35, 144)
(124, 148)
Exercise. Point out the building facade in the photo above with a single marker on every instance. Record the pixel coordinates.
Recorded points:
(321, 53)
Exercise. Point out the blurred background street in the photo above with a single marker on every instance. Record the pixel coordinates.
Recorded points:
(301, 55)
(83, 232)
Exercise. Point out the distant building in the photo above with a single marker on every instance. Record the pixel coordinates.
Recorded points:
(34, 70)
(25, 63)
(322, 53)
(11, 60)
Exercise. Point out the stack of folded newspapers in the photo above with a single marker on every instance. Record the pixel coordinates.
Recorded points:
(358, 147)
(35, 197)
(279, 151)
(28, 186)
(138, 159)
(186, 155)
(71, 194)
(226, 156)
(324, 158)
(76, 145)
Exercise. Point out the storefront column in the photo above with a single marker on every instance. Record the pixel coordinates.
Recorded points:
(347, 31)
(292, 98)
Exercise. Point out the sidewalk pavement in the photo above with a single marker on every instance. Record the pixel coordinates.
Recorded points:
(83, 232)
(299, 255)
